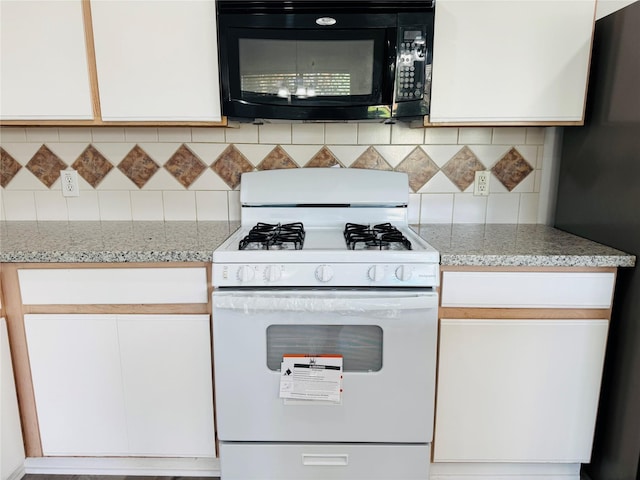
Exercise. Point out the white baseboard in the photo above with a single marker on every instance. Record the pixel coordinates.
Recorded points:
(210, 467)
(17, 474)
(504, 471)
(147, 466)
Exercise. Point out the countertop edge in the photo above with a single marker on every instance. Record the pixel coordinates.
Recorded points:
(592, 261)
(473, 245)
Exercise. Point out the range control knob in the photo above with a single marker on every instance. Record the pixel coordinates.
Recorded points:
(324, 273)
(272, 273)
(246, 273)
(403, 273)
(376, 273)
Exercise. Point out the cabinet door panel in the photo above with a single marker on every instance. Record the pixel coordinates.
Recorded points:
(518, 390)
(44, 72)
(166, 368)
(75, 367)
(11, 447)
(524, 60)
(157, 60)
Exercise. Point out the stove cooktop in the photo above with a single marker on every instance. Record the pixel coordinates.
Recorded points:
(355, 255)
(291, 236)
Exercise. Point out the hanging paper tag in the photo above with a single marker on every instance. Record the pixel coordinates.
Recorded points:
(311, 377)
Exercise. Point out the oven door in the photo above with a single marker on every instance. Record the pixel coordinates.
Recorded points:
(387, 339)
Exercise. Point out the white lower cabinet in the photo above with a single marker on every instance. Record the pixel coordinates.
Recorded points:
(166, 376)
(518, 390)
(122, 385)
(11, 446)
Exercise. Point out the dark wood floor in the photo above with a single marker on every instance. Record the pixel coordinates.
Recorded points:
(131, 477)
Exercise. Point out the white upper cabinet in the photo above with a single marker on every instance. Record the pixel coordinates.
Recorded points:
(517, 61)
(157, 60)
(44, 73)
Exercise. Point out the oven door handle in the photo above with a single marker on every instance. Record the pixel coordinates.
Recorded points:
(318, 302)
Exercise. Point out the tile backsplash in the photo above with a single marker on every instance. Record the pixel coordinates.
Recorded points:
(182, 173)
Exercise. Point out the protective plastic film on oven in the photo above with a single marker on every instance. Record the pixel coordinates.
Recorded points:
(360, 346)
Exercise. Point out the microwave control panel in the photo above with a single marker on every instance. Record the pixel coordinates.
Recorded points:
(410, 68)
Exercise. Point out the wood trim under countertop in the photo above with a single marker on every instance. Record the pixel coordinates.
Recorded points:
(471, 313)
(15, 311)
(465, 268)
(123, 309)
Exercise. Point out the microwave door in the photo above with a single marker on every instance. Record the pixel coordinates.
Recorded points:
(296, 74)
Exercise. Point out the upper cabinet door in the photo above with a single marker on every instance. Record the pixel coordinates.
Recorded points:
(157, 60)
(517, 61)
(44, 72)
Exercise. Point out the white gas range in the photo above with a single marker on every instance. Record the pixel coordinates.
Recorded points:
(325, 266)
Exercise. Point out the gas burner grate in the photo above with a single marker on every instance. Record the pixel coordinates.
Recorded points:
(383, 236)
(267, 236)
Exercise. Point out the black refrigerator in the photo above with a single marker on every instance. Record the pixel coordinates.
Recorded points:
(599, 198)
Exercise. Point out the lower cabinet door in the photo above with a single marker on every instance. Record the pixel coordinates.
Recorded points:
(75, 367)
(122, 385)
(518, 390)
(166, 370)
(11, 445)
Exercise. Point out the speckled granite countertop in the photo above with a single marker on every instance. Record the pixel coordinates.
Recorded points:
(458, 244)
(518, 245)
(111, 241)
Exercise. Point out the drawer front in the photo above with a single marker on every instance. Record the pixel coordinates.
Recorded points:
(528, 289)
(322, 462)
(86, 286)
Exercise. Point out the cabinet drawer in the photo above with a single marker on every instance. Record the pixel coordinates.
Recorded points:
(528, 289)
(85, 286)
(314, 461)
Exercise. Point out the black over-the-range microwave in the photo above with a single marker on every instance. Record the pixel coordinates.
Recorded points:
(324, 60)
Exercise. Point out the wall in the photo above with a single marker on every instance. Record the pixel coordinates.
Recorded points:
(141, 173)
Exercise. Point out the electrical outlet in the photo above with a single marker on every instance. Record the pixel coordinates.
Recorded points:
(69, 182)
(481, 183)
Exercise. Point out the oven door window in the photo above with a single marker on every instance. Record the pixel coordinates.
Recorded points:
(344, 69)
(359, 345)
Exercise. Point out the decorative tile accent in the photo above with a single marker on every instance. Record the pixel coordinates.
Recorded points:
(230, 165)
(371, 159)
(92, 166)
(46, 166)
(185, 166)
(8, 168)
(138, 166)
(420, 168)
(511, 169)
(277, 159)
(324, 158)
(462, 167)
